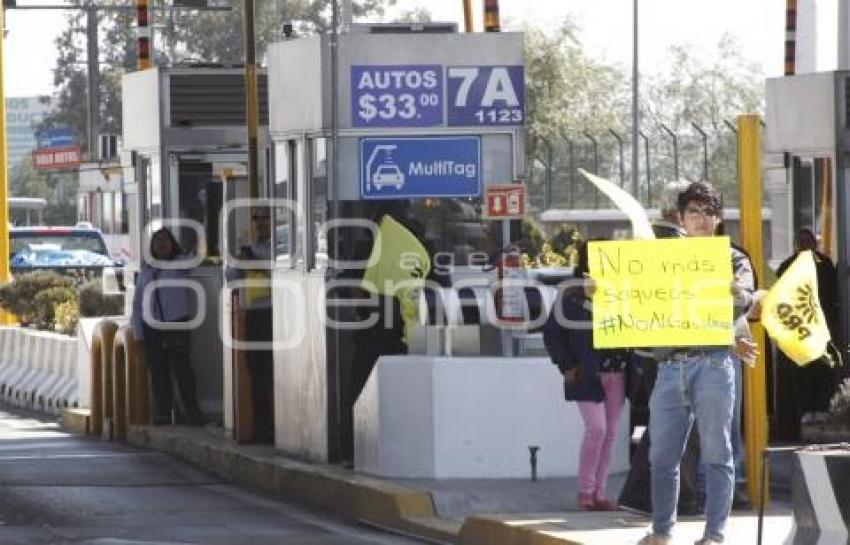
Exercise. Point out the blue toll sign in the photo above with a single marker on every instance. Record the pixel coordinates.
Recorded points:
(485, 95)
(396, 96)
(410, 168)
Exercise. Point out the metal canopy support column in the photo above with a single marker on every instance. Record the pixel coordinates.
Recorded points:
(5, 317)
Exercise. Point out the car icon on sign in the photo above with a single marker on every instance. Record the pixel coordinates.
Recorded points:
(388, 174)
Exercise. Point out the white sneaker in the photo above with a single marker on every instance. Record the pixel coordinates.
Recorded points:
(655, 539)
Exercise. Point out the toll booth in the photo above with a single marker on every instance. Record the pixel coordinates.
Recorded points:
(428, 119)
(185, 133)
(806, 150)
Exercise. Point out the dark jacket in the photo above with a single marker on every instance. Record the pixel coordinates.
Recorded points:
(571, 346)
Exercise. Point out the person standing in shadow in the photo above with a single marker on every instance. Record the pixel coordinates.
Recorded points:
(813, 385)
(155, 321)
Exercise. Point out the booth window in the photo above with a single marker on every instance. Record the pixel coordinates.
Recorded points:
(318, 211)
(106, 218)
(284, 189)
(149, 173)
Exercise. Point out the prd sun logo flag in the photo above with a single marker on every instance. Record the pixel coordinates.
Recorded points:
(791, 314)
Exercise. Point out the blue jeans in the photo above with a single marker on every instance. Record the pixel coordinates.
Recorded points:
(737, 438)
(702, 385)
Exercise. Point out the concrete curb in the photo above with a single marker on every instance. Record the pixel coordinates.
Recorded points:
(343, 492)
(77, 420)
(502, 529)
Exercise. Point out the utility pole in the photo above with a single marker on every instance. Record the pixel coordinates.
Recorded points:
(93, 118)
(251, 109)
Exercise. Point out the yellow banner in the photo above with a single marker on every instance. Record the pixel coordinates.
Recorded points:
(791, 313)
(667, 292)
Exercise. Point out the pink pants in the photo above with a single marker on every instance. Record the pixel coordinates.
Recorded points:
(600, 428)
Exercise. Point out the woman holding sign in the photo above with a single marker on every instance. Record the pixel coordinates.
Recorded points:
(594, 379)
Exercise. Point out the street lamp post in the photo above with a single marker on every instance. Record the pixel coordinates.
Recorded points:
(635, 107)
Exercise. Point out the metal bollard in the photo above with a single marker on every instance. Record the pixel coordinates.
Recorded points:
(101, 353)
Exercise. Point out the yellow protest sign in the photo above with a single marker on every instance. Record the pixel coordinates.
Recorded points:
(791, 313)
(668, 292)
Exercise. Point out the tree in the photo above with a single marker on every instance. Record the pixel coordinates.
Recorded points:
(573, 100)
(568, 94)
(181, 37)
(709, 93)
(57, 187)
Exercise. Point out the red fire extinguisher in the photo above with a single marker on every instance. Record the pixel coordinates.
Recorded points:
(510, 296)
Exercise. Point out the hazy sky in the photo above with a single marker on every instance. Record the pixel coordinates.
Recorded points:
(607, 30)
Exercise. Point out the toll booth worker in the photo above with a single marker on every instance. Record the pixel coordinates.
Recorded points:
(166, 350)
(696, 383)
(812, 385)
(255, 300)
(593, 378)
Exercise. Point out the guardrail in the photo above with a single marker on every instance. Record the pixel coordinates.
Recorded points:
(38, 369)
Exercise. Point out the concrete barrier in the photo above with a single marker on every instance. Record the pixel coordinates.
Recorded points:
(820, 496)
(38, 369)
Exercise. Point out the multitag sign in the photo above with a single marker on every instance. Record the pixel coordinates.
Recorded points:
(397, 96)
(671, 292)
(405, 168)
(425, 95)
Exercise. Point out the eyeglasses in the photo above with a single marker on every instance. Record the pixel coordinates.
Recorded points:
(696, 213)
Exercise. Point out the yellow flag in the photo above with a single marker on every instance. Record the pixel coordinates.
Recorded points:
(397, 267)
(398, 258)
(791, 312)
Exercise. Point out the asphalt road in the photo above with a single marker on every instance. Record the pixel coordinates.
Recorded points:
(56, 488)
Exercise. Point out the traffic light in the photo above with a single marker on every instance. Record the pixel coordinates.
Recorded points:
(491, 16)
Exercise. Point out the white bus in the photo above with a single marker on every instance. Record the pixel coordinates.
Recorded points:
(26, 211)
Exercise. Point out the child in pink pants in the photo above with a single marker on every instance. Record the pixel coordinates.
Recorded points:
(593, 378)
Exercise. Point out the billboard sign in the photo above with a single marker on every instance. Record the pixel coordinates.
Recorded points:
(410, 168)
(56, 158)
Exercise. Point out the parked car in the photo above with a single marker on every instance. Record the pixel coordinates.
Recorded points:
(72, 250)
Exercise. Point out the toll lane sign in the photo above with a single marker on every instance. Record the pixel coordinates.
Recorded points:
(396, 95)
(505, 201)
(486, 95)
(411, 168)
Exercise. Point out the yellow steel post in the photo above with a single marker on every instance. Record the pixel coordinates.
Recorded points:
(755, 385)
(491, 16)
(5, 317)
(467, 15)
(144, 34)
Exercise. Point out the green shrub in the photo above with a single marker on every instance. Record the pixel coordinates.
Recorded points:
(66, 316)
(92, 301)
(45, 304)
(19, 296)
